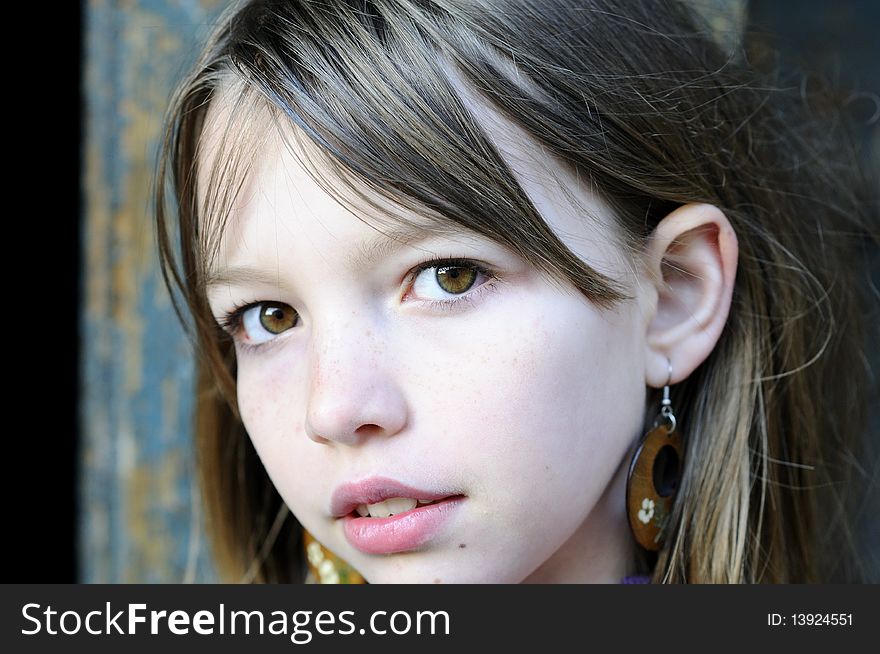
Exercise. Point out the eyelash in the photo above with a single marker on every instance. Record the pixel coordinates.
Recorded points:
(231, 322)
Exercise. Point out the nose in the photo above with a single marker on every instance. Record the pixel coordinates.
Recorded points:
(353, 394)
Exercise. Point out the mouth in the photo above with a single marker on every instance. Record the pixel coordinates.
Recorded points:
(392, 506)
(383, 516)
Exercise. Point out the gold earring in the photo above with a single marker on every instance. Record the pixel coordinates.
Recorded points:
(653, 477)
(325, 567)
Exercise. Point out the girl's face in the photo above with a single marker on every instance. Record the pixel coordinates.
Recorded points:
(445, 369)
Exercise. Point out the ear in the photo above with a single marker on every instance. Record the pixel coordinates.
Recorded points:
(691, 258)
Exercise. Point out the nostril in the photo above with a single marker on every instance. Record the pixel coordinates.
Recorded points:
(351, 417)
(368, 430)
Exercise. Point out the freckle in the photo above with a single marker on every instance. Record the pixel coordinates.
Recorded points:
(438, 581)
(462, 546)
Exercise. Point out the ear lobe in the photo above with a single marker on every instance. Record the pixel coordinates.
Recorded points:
(692, 258)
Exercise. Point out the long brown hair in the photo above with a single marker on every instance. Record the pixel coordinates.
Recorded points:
(633, 96)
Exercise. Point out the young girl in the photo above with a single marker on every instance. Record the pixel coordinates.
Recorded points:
(513, 291)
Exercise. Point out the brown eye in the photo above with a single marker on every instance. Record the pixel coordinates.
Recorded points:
(456, 279)
(276, 318)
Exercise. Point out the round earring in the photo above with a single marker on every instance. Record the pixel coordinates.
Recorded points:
(653, 477)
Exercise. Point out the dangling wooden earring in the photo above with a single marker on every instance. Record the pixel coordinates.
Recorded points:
(653, 478)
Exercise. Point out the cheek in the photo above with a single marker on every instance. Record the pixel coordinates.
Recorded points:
(532, 415)
(260, 400)
(270, 400)
(543, 410)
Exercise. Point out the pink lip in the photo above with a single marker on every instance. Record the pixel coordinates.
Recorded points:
(398, 533)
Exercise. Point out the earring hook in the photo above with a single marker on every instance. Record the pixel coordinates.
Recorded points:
(666, 403)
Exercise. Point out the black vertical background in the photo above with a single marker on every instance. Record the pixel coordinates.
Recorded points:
(43, 208)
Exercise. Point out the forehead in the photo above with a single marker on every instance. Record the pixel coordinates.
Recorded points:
(245, 142)
(248, 151)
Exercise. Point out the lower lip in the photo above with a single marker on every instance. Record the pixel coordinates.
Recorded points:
(402, 532)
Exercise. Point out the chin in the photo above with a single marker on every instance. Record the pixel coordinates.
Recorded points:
(404, 569)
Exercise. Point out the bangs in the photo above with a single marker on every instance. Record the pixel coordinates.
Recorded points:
(240, 127)
(365, 102)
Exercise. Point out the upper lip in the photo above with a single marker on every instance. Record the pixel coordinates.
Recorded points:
(348, 496)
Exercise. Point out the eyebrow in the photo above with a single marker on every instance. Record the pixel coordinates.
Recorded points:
(367, 254)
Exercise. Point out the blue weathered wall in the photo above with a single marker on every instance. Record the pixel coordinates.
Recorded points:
(139, 509)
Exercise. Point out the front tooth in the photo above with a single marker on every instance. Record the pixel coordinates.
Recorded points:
(379, 510)
(400, 504)
(362, 510)
(391, 506)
